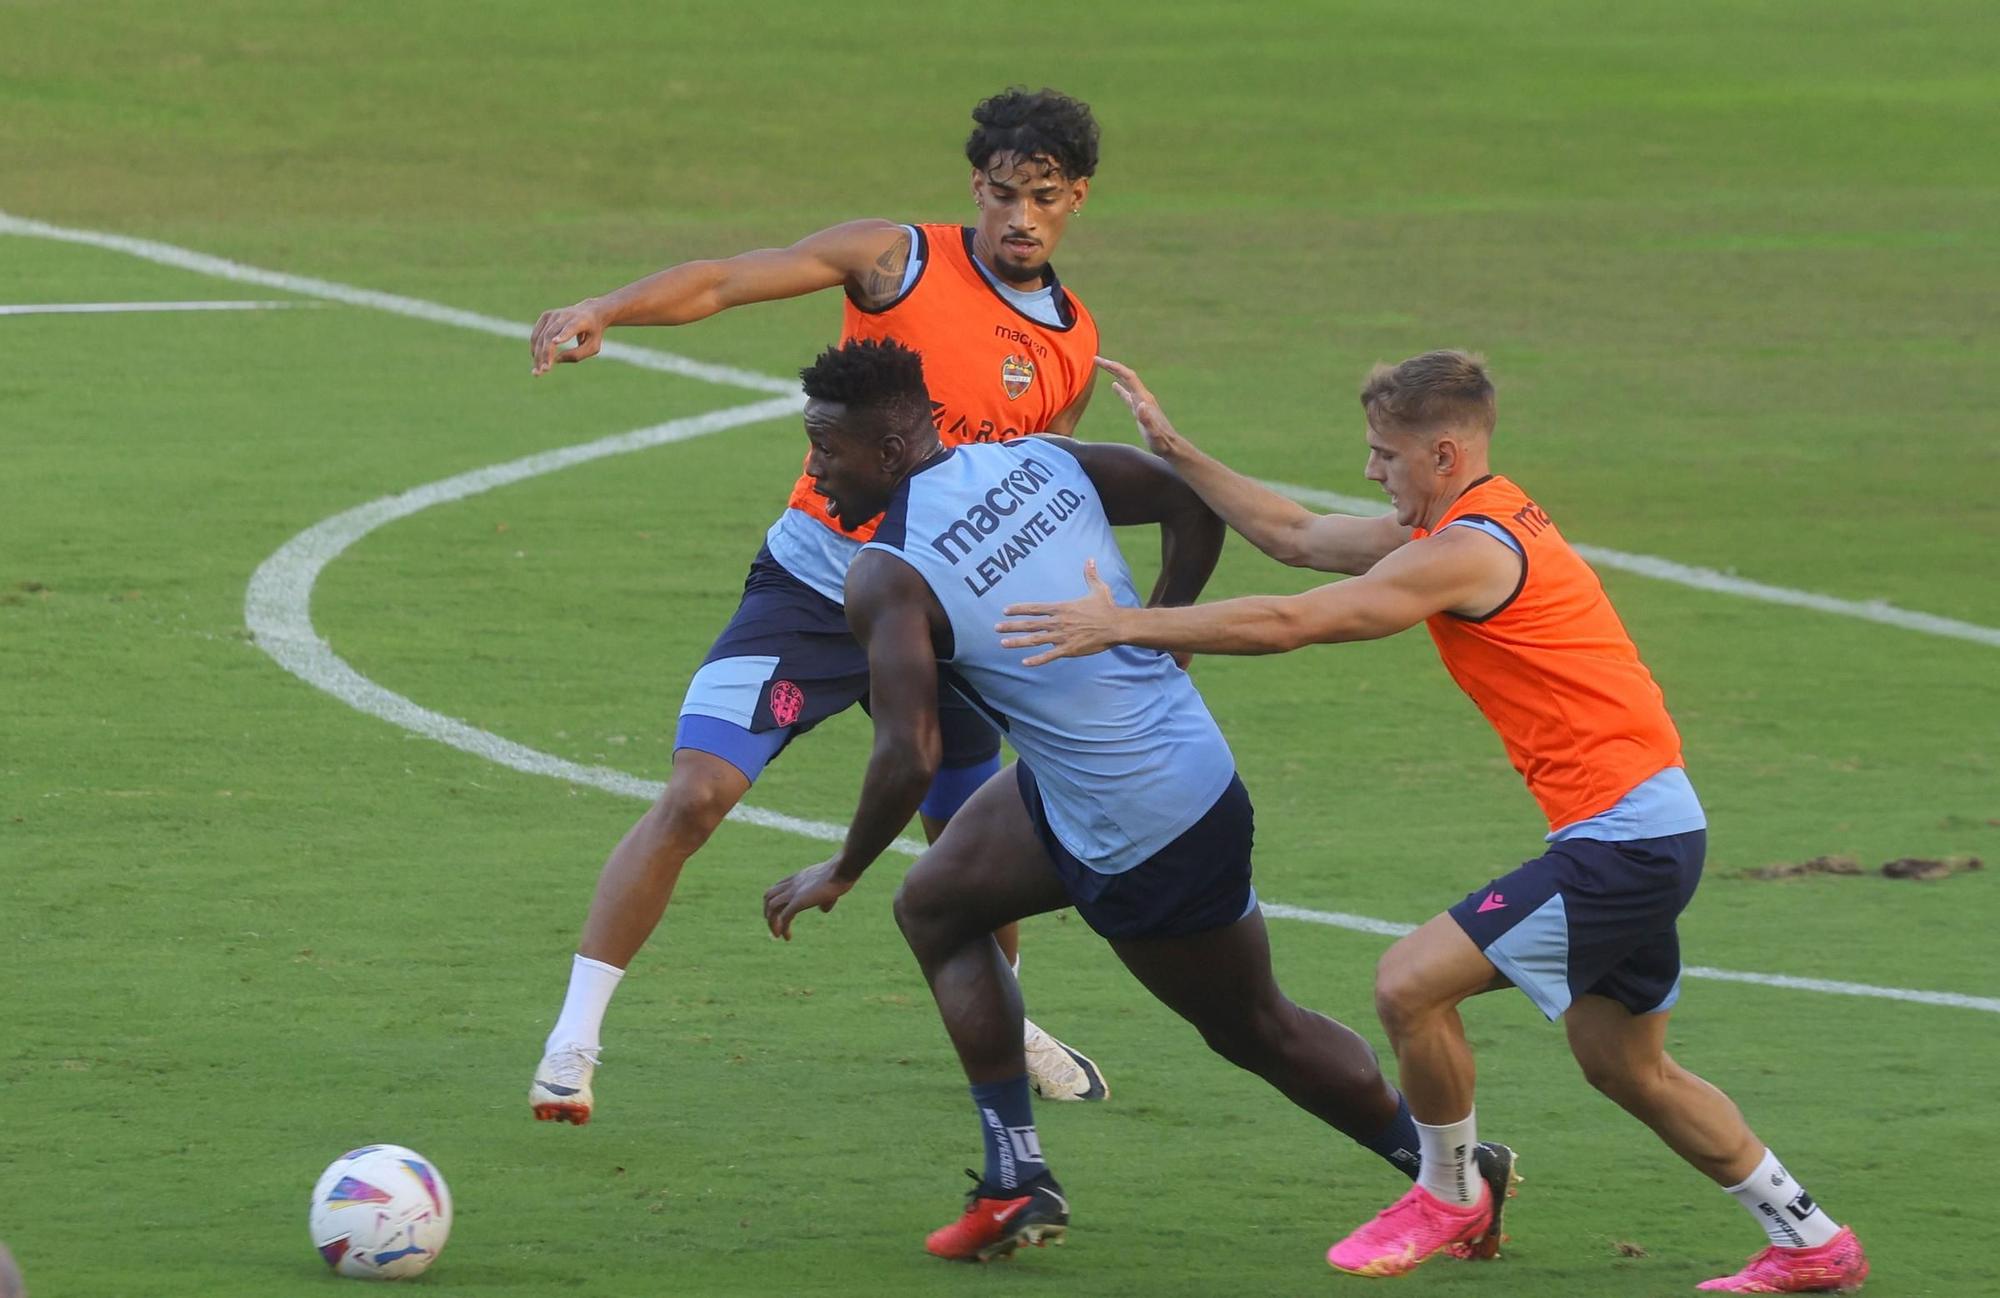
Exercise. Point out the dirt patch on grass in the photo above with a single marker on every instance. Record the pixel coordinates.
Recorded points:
(1920, 868)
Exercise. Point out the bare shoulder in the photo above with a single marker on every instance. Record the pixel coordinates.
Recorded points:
(877, 579)
(871, 253)
(863, 232)
(1467, 546)
(891, 608)
(1468, 570)
(1105, 458)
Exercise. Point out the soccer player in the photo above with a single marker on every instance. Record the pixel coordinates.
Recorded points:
(1125, 802)
(1009, 351)
(1587, 929)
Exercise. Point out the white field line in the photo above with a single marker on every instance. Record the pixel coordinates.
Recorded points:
(1956, 1000)
(166, 254)
(277, 606)
(278, 609)
(1644, 564)
(120, 308)
(1709, 579)
(279, 613)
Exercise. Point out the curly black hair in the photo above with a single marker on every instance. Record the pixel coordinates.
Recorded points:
(1044, 125)
(881, 380)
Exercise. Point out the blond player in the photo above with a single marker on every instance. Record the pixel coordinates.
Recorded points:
(1587, 928)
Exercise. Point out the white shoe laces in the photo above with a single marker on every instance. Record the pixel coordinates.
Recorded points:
(1049, 1063)
(569, 1066)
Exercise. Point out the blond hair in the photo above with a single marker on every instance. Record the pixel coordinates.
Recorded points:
(1431, 393)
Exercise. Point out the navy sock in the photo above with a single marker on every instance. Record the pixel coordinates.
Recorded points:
(1396, 1144)
(1007, 1125)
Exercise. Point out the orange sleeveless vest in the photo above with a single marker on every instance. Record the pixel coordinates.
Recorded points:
(993, 373)
(1554, 670)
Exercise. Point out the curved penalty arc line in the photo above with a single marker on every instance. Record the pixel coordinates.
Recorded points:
(278, 610)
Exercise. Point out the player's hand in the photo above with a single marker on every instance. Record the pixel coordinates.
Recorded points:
(1074, 630)
(815, 886)
(581, 323)
(1161, 439)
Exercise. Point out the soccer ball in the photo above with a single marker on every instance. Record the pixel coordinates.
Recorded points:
(380, 1212)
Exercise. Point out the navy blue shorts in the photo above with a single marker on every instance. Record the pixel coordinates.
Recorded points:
(786, 662)
(1198, 882)
(1590, 917)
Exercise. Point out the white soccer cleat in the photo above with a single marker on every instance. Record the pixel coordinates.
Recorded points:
(561, 1089)
(1057, 1072)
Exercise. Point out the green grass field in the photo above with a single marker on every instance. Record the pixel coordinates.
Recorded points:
(1735, 265)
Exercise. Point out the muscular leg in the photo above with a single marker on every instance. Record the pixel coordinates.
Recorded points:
(1007, 935)
(1221, 982)
(985, 870)
(1624, 1055)
(639, 876)
(1418, 987)
(632, 893)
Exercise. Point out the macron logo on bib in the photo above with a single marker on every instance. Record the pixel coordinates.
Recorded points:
(1003, 500)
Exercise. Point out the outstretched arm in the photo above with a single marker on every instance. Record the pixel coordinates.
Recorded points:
(1137, 488)
(1457, 571)
(893, 614)
(1275, 524)
(868, 257)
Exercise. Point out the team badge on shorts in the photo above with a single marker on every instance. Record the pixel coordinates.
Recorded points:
(787, 701)
(1016, 375)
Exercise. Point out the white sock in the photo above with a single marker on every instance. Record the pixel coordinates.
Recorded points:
(1448, 1171)
(1782, 1206)
(591, 983)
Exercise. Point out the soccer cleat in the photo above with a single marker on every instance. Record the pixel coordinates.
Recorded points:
(1408, 1231)
(1497, 1167)
(996, 1222)
(1837, 1266)
(561, 1089)
(1057, 1072)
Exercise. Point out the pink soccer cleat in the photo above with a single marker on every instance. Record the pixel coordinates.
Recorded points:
(1837, 1266)
(1409, 1230)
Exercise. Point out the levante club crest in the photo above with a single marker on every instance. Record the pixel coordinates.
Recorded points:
(1016, 374)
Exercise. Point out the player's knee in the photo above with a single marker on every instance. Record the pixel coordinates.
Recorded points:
(921, 913)
(1257, 1039)
(1627, 1083)
(1241, 1043)
(1402, 997)
(693, 804)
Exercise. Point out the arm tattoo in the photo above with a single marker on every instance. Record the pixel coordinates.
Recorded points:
(880, 284)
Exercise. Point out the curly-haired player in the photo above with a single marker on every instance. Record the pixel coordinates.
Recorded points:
(1007, 350)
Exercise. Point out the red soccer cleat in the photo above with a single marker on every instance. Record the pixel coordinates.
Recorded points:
(996, 1222)
(1837, 1266)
